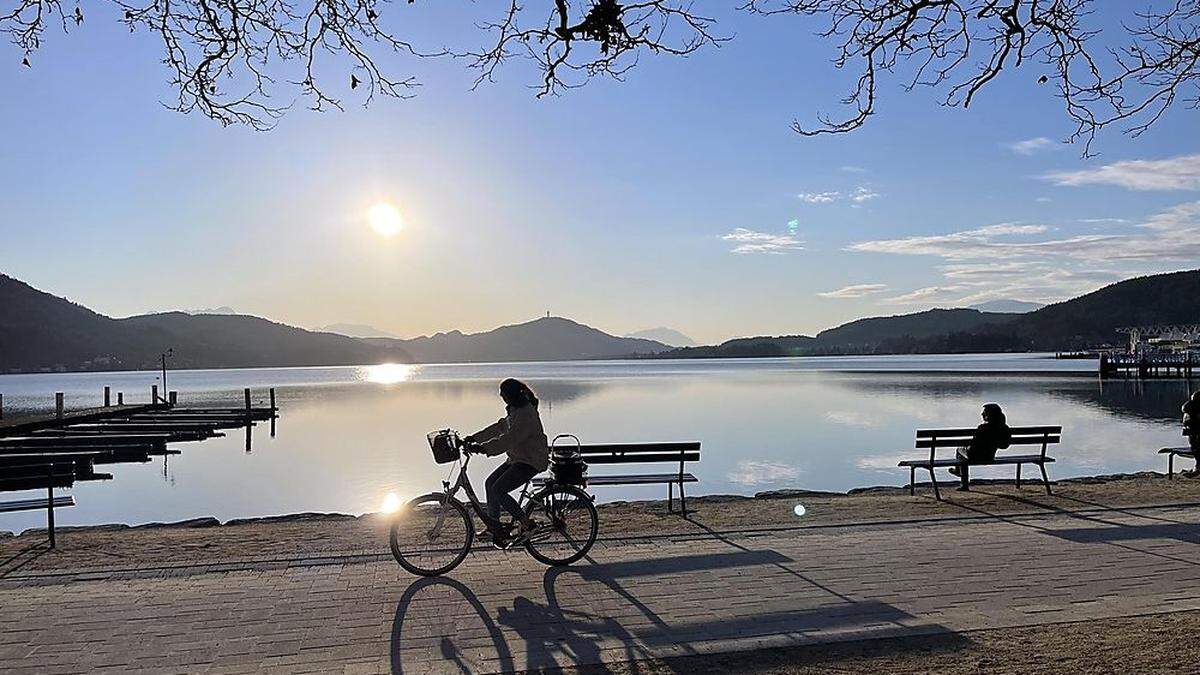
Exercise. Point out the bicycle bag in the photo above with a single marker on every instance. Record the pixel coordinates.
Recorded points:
(445, 445)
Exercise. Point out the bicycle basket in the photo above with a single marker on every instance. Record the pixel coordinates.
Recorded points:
(566, 462)
(445, 445)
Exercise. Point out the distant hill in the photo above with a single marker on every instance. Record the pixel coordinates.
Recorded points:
(1008, 306)
(358, 330)
(544, 339)
(42, 332)
(667, 336)
(1084, 322)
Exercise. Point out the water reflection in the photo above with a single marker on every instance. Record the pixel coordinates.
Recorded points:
(387, 373)
(347, 441)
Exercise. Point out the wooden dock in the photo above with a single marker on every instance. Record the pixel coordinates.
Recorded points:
(55, 450)
(1145, 367)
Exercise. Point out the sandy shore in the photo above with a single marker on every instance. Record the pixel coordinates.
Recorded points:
(206, 540)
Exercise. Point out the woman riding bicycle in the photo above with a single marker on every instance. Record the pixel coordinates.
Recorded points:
(520, 435)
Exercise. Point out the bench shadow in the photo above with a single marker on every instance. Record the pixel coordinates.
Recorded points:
(565, 629)
(23, 558)
(1112, 533)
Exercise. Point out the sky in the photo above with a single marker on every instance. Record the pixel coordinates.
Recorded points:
(679, 197)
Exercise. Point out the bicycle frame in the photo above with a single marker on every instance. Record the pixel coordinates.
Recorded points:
(463, 482)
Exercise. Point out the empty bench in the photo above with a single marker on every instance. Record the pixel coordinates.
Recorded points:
(953, 439)
(49, 503)
(1172, 453)
(678, 454)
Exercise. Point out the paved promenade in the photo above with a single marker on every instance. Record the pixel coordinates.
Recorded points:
(636, 598)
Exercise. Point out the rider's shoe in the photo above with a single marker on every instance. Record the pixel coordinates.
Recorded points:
(520, 534)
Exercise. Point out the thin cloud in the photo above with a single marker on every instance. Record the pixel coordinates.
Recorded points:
(1031, 146)
(1176, 173)
(819, 197)
(849, 168)
(1028, 262)
(858, 195)
(863, 194)
(855, 291)
(750, 241)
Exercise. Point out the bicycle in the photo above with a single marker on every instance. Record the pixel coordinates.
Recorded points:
(432, 534)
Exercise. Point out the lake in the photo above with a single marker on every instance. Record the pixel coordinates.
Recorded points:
(350, 436)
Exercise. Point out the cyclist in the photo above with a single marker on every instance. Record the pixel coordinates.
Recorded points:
(520, 435)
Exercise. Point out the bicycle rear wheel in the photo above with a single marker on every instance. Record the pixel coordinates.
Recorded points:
(565, 524)
(431, 535)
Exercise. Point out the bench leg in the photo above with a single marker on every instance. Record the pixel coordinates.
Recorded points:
(933, 479)
(682, 500)
(912, 481)
(1045, 478)
(50, 514)
(1170, 466)
(670, 498)
(1019, 476)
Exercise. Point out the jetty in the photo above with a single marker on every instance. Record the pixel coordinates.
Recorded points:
(56, 450)
(1149, 365)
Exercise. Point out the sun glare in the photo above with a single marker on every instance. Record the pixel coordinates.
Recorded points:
(385, 219)
(391, 503)
(387, 373)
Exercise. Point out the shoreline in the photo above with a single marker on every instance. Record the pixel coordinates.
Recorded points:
(651, 505)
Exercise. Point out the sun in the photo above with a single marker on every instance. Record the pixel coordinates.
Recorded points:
(385, 219)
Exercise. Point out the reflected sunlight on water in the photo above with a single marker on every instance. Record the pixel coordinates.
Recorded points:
(387, 373)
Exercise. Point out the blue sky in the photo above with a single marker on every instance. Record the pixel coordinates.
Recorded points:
(679, 197)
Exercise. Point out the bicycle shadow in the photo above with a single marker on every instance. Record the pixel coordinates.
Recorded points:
(602, 613)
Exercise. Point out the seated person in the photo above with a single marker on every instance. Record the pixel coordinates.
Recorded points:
(989, 437)
(1191, 426)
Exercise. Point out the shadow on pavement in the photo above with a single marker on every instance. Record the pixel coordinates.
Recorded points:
(602, 613)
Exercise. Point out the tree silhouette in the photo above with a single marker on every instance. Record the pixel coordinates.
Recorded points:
(227, 58)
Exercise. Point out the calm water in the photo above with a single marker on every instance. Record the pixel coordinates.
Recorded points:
(349, 436)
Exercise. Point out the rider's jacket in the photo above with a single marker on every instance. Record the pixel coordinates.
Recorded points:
(520, 435)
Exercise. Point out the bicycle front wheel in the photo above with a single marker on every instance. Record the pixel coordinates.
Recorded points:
(431, 535)
(565, 524)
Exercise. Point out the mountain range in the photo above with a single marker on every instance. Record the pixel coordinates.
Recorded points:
(42, 332)
(1085, 322)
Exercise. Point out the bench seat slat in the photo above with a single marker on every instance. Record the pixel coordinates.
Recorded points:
(930, 433)
(999, 461)
(642, 458)
(959, 442)
(633, 479)
(33, 504)
(1176, 451)
(688, 446)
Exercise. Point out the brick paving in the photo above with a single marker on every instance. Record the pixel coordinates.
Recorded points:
(677, 595)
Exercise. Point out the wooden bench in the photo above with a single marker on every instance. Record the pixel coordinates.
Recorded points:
(933, 439)
(642, 453)
(49, 503)
(1172, 453)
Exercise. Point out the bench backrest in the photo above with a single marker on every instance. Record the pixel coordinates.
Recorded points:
(958, 438)
(639, 453)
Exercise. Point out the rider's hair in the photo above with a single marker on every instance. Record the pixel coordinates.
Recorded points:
(993, 414)
(517, 394)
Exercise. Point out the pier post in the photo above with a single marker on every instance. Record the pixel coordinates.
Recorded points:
(107, 396)
(272, 390)
(246, 393)
(1, 406)
(50, 503)
(120, 398)
(58, 405)
(154, 394)
(172, 397)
